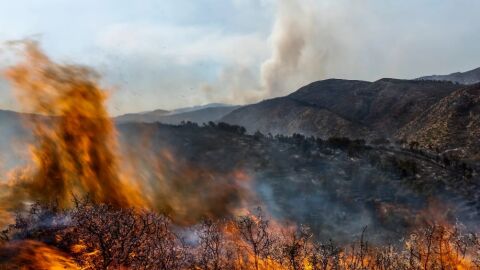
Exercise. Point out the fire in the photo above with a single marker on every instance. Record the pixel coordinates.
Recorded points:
(186, 192)
(34, 255)
(440, 246)
(75, 151)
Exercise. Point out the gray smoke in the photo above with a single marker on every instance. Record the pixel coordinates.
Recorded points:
(295, 54)
(303, 46)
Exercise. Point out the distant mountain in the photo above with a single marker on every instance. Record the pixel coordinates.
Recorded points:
(200, 107)
(452, 124)
(333, 107)
(468, 77)
(147, 117)
(439, 115)
(197, 114)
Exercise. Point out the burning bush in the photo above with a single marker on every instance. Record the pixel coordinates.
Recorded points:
(103, 236)
(118, 224)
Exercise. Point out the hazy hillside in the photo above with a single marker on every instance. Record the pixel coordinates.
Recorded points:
(343, 107)
(468, 77)
(337, 178)
(287, 116)
(451, 124)
(335, 186)
(147, 117)
(198, 114)
(199, 107)
(435, 114)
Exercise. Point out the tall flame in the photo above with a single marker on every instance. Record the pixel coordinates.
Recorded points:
(75, 153)
(34, 255)
(75, 150)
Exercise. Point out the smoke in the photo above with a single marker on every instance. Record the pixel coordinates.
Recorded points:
(293, 37)
(36, 255)
(183, 189)
(304, 47)
(75, 152)
(241, 83)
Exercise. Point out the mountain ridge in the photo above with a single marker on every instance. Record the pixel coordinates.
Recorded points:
(366, 109)
(199, 114)
(395, 109)
(467, 77)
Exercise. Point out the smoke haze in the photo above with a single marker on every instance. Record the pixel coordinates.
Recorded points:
(242, 51)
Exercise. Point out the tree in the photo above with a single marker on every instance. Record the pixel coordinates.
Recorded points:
(294, 247)
(212, 251)
(123, 237)
(254, 231)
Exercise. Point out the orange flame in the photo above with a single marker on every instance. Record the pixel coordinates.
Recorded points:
(76, 153)
(34, 255)
(76, 150)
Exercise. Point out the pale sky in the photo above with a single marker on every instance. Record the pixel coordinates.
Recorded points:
(175, 53)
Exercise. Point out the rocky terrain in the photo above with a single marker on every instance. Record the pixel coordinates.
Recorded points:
(452, 124)
(356, 109)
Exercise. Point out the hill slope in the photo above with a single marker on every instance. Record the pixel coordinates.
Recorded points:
(287, 115)
(468, 77)
(343, 108)
(452, 123)
(146, 117)
(336, 187)
(199, 114)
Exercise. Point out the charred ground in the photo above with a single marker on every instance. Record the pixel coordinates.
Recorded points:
(335, 186)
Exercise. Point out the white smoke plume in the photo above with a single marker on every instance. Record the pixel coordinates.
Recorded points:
(293, 53)
(303, 46)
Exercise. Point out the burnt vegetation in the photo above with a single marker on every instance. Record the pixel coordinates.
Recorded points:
(388, 179)
(93, 235)
(180, 197)
(99, 236)
(213, 136)
(310, 180)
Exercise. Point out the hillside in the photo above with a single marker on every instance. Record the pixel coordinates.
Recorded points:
(356, 109)
(284, 174)
(334, 186)
(146, 117)
(288, 116)
(452, 124)
(468, 77)
(199, 114)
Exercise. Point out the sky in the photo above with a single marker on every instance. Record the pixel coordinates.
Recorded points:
(166, 54)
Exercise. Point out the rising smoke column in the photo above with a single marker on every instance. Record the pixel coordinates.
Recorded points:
(303, 44)
(289, 38)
